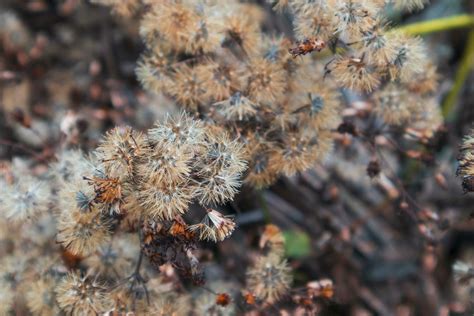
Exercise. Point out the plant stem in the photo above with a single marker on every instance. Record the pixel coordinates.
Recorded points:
(466, 65)
(264, 205)
(437, 25)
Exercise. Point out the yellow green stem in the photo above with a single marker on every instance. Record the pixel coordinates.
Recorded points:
(437, 25)
(466, 65)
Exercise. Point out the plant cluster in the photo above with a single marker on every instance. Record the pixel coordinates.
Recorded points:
(254, 106)
(214, 60)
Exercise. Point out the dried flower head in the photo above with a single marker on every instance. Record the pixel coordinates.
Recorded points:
(41, 298)
(78, 295)
(269, 279)
(266, 81)
(214, 227)
(82, 232)
(395, 104)
(354, 73)
(237, 107)
(28, 198)
(466, 163)
(165, 201)
(119, 151)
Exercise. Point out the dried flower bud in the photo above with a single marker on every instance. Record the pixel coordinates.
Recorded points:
(223, 299)
(214, 226)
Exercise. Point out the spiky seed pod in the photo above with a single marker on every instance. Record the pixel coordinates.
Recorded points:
(119, 152)
(108, 193)
(214, 227)
(314, 20)
(28, 198)
(298, 153)
(269, 279)
(237, 108)
(320, 108)
(267, 81)
(426, 82)
(241, 33)
(262, 171)
(206, 36)
(410, 58)
(466, 163)
(218, 188)
(396, 105)
(77, 295)
(221, 154)
(165, 163)
(354, 18)
(355, 74)
(116, 259)
(175, 22)
(429, 119)
(218, 81)
(275, 49)
(41, 298)
(187, 88)
(165, 201)
(177, 131)
(377, 46)
(171, 303)
(152, 70)
(82, 232)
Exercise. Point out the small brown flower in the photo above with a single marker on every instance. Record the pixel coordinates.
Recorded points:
(307, 46)
(223, 299)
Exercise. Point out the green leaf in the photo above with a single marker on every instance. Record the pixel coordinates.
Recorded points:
(297, 244)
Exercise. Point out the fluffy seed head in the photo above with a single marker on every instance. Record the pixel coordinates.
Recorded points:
(78, 295)
(214, 227)
(237, 107)
(466, 163)
(269, 279)
(25, 200)
(355, 74)
(41, 299)
(82, 232)
(119, 151)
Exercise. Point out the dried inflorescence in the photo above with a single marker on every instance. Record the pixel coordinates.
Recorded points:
(232, 74)
(255, 107)
(131, 182)
(269, 278)
(466, 163)
(78, 295)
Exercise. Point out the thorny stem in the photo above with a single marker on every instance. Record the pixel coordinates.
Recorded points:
(437, 25)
